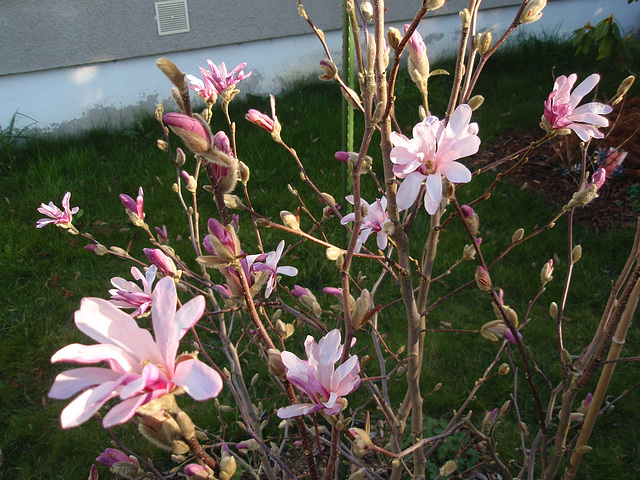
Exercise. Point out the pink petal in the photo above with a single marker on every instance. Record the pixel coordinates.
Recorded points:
(118, 359)
(456, 172)
(126, 409)
(86, 404)
(70, 382)
(106, 324)
(199, 380)
(585, 87)
(297, 410)
(163, 309)
(288, 271)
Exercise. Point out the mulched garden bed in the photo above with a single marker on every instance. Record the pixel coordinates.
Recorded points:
(553, 168)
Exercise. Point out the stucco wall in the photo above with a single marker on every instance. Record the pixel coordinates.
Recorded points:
(43, 34)
(75, 98)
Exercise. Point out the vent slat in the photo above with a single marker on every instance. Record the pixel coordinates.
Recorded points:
(172, 17)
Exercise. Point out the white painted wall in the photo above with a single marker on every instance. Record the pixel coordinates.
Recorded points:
(72, 99)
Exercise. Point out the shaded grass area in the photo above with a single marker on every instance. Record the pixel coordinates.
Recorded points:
(46, 272)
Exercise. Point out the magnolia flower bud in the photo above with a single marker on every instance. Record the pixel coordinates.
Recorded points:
(471, 218)
(162, 145)
(553, 310)
(532, 11)
(485, 40)
(192, 185)
(566, 357)
(173, 73)
(546, 275)
(434, 4)
(329, 68)
(361, 310)
(284, 330)
(394, 37)
(504, 409)
(244, 172)
(97, 248)
(289, 220)
(448, 468)
(576, 253)
(468, 253)
(504, 369)
(475, 102)
(233, 202)
(180, 157)
(367, 10)
(483, 280)
(193, 132)
(360, 441)
(583, 449)
(511, 315)
(623, 89)
(517, 235)
(351, 96)
(465, 18)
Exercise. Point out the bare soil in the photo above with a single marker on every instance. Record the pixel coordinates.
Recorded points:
(553, 168)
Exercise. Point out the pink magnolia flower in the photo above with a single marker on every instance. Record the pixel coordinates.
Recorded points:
(111, 456)
(270, 266)
(135, 206)
(204, 88)
(57, 216)
(222, 79)
(318, 378)
(430, 154)
(561, 109)
(164, 264)
(194, 133)
(162, 235)
(139, 368)
(262, 120)
(598, 179)
(129, 295)
(376, 220)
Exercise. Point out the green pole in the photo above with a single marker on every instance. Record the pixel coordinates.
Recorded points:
(348, 76)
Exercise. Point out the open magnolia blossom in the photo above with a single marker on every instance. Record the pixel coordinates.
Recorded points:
(270, 266)
(127, 294)
(376, 220)
(57, 216)
(140, 369)
(561, 110)
(430, 154)
(318, 378)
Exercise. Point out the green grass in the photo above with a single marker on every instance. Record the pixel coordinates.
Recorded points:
(46, 272)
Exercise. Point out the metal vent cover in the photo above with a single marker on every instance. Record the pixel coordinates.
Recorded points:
(172, 17)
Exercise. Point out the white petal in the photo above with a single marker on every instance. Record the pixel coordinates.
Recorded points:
(409, 189)
(70, 382)
(199, 380)
(456, 172)
(297, 410)
(106, 324)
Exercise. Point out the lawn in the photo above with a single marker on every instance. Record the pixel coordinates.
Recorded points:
(47, 272)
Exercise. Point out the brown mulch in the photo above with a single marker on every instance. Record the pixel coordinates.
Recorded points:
(549, 168)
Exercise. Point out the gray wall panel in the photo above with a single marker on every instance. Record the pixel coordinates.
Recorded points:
(44, 34)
